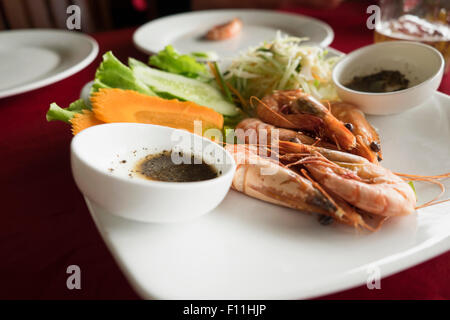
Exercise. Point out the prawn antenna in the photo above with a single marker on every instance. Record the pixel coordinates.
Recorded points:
(268, 108)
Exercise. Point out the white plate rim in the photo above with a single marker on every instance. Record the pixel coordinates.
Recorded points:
(58, 76)
(137, 34)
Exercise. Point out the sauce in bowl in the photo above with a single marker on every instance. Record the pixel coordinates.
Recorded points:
(162, 167)
(383, 81)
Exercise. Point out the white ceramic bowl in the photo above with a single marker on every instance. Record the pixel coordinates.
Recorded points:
(104, 156)
(422, 65)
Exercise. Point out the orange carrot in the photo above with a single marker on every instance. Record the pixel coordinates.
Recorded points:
(84, 120)
(116, 105)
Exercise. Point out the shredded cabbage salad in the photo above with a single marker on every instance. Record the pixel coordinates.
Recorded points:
(283, 65)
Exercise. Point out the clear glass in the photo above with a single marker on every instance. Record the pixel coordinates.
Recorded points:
(426, 21)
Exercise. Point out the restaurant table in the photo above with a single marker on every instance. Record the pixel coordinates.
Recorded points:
(45, 225)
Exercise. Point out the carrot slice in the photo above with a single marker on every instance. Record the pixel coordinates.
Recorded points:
(83, 120)
(116, 105)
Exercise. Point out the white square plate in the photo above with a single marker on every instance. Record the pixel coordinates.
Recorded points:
(249, 249)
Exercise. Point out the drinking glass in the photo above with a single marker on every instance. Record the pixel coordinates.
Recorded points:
(426, 21)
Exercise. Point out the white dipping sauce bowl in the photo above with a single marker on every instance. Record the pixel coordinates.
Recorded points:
(421, 64)
(103, 158)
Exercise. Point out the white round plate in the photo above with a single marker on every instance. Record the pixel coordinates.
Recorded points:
(185, 31)
(31, 59)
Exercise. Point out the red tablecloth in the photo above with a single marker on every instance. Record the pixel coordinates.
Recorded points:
(45, 225)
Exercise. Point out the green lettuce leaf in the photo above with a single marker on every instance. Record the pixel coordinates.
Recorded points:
(114, 74)
(56, 113)
(171, 61)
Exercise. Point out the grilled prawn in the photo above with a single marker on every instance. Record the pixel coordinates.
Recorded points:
(265, 178)
(294, 109)
(367, 140)
(363, 184)
(225, 31)
(252, 128)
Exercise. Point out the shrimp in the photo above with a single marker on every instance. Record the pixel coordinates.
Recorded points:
(367, 140)
(363, 184)
(283, 186)
(253, 126)
(288, 188)
(294, 109)
(225, 31)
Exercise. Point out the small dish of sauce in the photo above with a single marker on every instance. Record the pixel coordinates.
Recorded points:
(383, 81)
(162, 167)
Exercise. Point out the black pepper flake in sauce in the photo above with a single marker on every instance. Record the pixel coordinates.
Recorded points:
(123, 161)
(160, 167)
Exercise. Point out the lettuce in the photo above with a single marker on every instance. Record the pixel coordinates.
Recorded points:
(56, 113)
(114, 74)
(141, 78)
(110, 74)
(171, 61)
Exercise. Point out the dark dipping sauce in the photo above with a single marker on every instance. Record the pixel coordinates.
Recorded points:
(383, 81)
(160, 167)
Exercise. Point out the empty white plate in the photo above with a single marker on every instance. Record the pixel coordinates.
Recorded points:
(31, 59)
(185, 31)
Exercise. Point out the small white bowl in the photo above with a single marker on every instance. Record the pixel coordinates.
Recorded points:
(103, 158)
(422, 65)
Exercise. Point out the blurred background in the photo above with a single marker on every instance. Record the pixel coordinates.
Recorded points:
(101, 15)
(399, 18)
